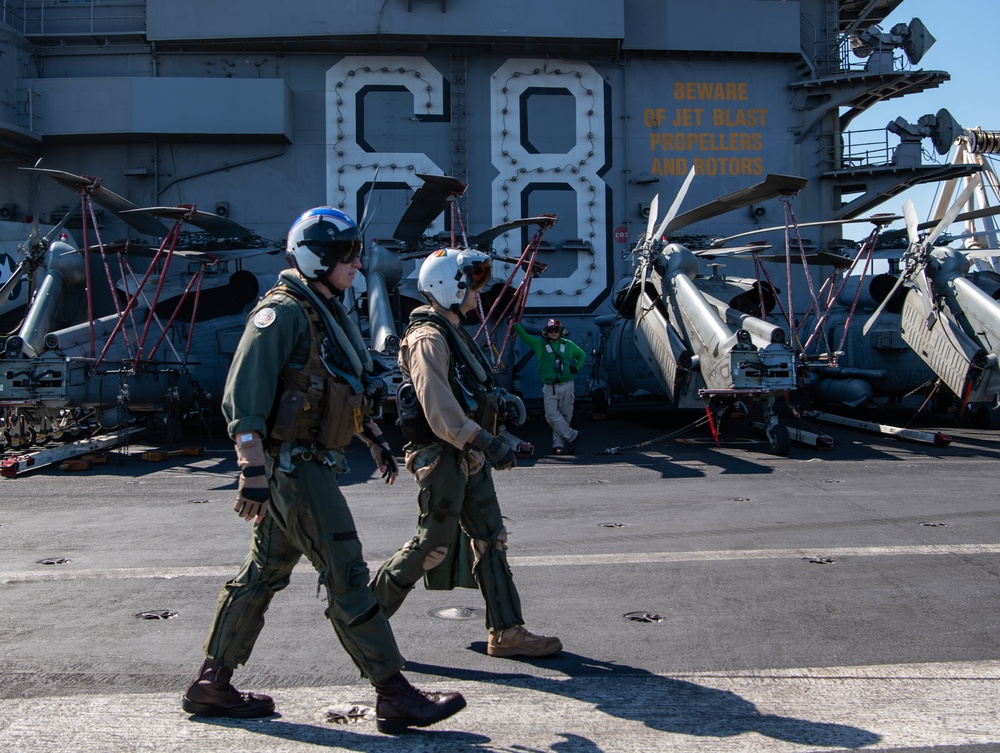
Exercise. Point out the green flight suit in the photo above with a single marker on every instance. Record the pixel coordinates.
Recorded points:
(307, 514)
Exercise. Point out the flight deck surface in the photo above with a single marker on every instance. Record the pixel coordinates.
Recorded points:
(708, 599)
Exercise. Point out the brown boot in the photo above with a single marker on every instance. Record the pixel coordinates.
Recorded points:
(212, 695)
(399, 705)
(517, 641)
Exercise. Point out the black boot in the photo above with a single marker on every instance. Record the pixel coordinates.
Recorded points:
(399, 705)
(212, 695)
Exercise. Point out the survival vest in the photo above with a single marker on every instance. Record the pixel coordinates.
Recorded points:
(315, 406)
(475, 395)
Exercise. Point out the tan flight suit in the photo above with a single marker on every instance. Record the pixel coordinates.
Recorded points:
(455, 484)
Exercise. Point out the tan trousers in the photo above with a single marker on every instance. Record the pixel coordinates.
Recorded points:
(558, 400)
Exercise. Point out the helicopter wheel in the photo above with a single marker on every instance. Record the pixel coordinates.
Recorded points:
(164, 426)
(599, 403)
(23, 440)
(780, 441)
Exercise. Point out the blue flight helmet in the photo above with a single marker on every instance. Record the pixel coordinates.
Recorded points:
(320, 239)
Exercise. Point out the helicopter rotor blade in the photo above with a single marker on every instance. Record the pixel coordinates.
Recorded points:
(213, 224)
(881, 307)
(954, 209)
(428, 201)
(912, 221)
(111, 201)
(672, 212)
(975, 214)
(365, 219)
(910, 216)
(771, 187)
(62, 223)
(654, 209)
(916, 251)
(880, 220)
(926, 296)
(10, 284)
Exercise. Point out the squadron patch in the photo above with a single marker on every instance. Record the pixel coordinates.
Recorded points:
(264, 318)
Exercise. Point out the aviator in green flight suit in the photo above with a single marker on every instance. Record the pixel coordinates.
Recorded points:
(299, 389)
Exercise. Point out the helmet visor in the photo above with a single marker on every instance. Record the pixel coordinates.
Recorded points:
(340, 251)
(478, 273)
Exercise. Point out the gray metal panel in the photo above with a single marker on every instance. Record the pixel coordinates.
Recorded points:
(198, 19)
(726, 26)
(945, 348)
(169, 106)
(659, 346)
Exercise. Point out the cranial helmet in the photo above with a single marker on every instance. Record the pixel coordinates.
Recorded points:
(321, 238)
(553, 325)
(447, 275)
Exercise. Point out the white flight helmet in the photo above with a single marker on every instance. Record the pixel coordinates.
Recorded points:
(321, 238)
(447, 275)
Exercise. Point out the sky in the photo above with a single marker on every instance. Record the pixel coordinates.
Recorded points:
(965, 47)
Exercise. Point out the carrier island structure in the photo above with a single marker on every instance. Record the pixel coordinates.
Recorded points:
(580, 109)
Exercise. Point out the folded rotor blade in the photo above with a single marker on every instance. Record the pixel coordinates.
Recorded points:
(926, 296)
(954, 209)
(213, 224)
(111, 201)
(15, 278)
(974, 214)
(910, 215)
(772, 186)
(711, 253)
(654, 209)
(365, 219)
(877, 219)
(485, 239)
(427, 203)
(881, 307)
(672, 212)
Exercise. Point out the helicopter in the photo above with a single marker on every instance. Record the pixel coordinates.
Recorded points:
(866, 342)
(697, 341)
(952, 324)
(119, 332)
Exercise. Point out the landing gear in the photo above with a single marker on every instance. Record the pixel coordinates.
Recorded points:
(599, 403)
(779, 439)
(777, 434)
(164, 426)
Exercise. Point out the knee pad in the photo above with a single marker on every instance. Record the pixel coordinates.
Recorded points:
(481, 546)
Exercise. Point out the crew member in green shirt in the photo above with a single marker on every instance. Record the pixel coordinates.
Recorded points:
(558, 361)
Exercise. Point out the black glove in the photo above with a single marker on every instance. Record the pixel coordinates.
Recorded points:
(383, 457)
(573, 369)
(511, 413)
(499, 452)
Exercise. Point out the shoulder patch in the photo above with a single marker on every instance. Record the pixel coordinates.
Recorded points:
(264, 318)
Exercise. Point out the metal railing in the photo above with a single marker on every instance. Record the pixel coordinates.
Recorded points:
(75, 17)
(864, 148)
(12, 13)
